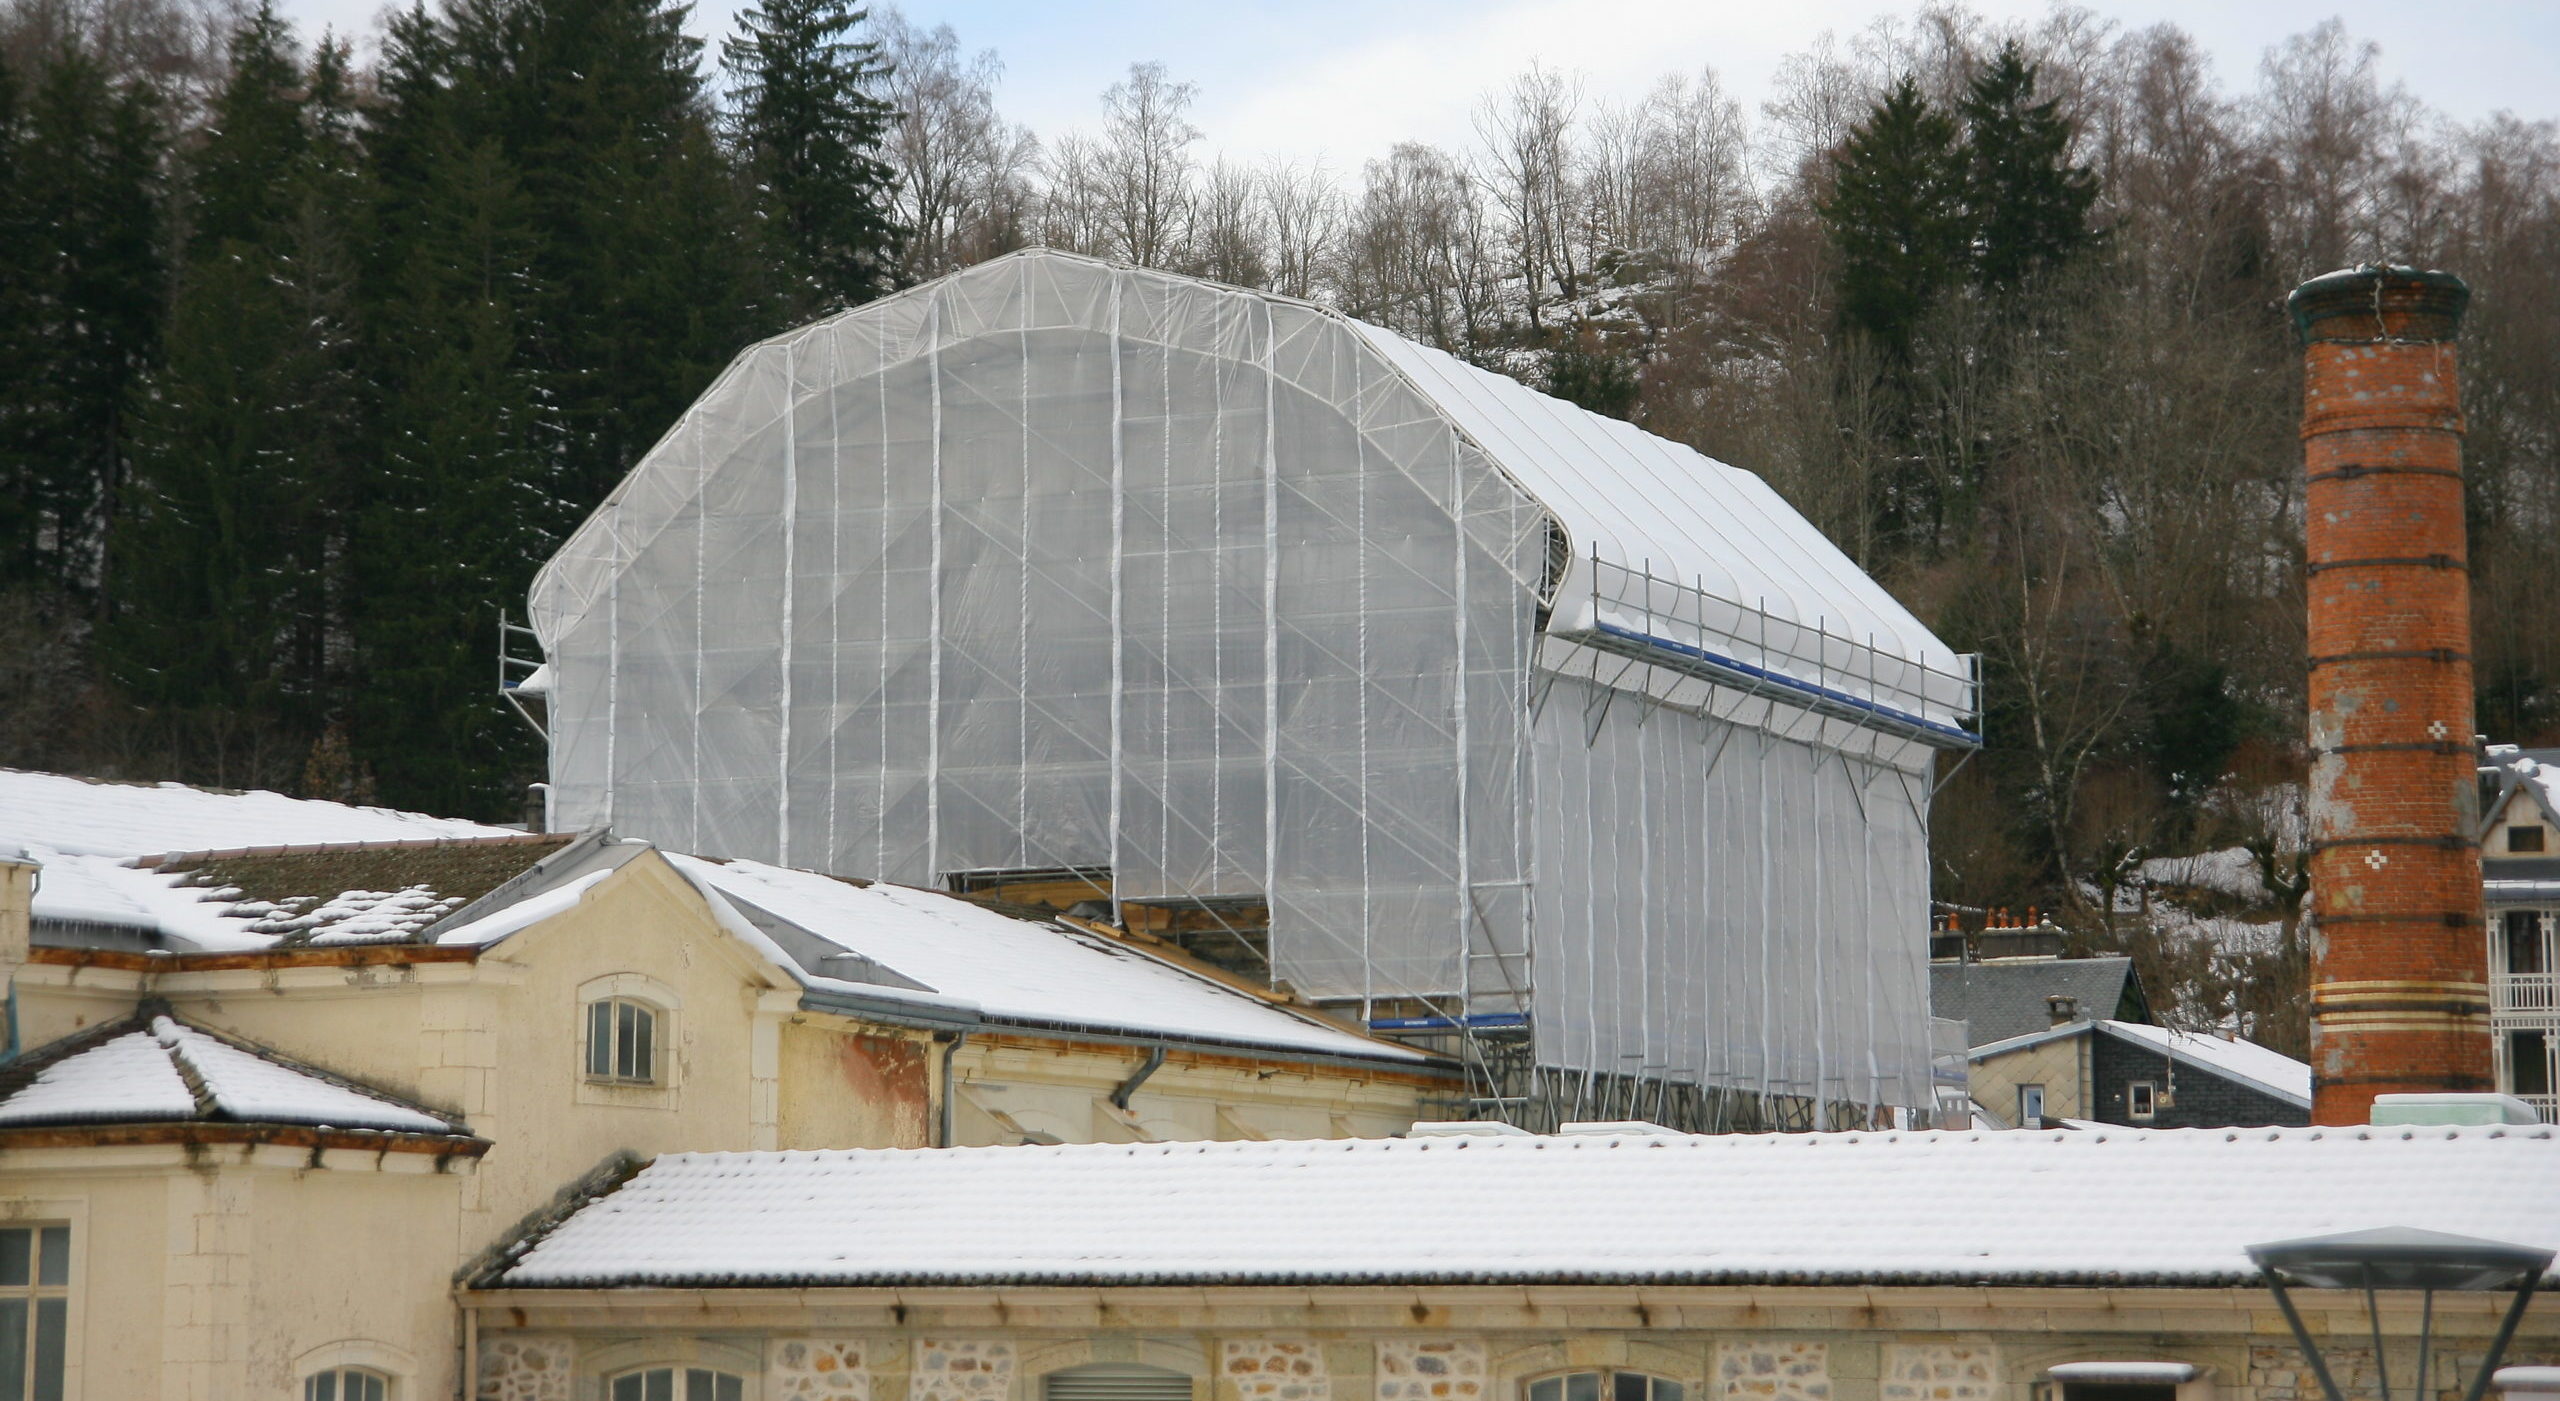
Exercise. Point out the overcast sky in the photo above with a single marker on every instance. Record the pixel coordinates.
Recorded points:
(1344, 79)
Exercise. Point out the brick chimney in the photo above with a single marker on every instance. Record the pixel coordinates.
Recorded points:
(2399, 979)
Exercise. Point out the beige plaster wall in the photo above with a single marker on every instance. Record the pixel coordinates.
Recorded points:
(845, 1085)
(1010, 1089)
(2057, 1065)
(231, 1271)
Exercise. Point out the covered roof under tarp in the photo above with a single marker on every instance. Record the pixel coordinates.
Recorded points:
(1728, 555)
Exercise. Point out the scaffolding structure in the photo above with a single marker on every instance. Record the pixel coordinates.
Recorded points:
(1222, 602)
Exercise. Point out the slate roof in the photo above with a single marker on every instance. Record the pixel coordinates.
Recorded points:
(166, 866)
(2104, 1207)
(2243, 1062)
(154, 1068)
(2001, 998)
(353, 892)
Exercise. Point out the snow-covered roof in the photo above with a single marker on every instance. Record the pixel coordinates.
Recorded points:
(86, 817)
(147, 1069)
(2247, 1062)
(904, 944)
(2536, 771)
(2121, 1206)
(204, 869)
(258, 898)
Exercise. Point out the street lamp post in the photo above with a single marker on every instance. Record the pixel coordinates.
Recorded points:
(2401, 1257)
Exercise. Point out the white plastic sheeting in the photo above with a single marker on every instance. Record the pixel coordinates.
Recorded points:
(1053, 563)
(1719, 906)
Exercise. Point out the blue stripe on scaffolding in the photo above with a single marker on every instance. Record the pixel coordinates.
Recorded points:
(1481, 1021)
(1780, 679)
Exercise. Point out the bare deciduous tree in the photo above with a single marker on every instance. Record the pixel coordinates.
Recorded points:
(1303, 212)
(964, 172)
(1145, 166)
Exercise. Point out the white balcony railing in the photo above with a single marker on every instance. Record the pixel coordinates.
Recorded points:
(2525, 992)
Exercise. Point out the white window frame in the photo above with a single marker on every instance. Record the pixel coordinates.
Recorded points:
(2142, 1100)
(36, 1291)
(389, 1363)
(678, 1378)
(613, 1024)
(338, 1374)
(666, 1011)
(1681, 1389)
(2026, 1095)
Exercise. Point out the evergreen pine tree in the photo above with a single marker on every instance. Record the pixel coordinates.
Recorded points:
(87, 286)
(2027, 203)
(809, 131)
(230, 574)
(243, 177)
(641, 288)
(20, 351)
(450, 530)
(557, 272)
(1896, 218)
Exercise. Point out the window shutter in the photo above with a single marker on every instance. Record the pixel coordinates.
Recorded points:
(1116, 1383)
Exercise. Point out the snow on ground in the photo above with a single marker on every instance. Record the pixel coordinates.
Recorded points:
(2110, 1206)
(2232, 871)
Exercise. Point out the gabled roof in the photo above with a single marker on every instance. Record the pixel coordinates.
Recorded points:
(2001, 998)
(153, 1068)
(2109, 1207)
(2242, 1062)
(2534, 771)
(940, 956)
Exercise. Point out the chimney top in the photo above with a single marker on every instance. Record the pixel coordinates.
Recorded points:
(2374, 303)
(2064, 1007)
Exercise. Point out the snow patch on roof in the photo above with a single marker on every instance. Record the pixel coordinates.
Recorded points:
(1016, 969)
(141, 1076)
(78, 816)
(2246, 1061)
(121, 1080)
(254, 1089)
(524, 914)
(2113, 1207)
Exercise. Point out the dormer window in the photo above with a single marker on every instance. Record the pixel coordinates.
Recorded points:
(622, 1041)
(2522, 839)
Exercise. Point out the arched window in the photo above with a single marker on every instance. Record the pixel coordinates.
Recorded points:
(677, 1384)
(346, 1384)
(1116, 1381)
(1606, 1384)
(622, 1042)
